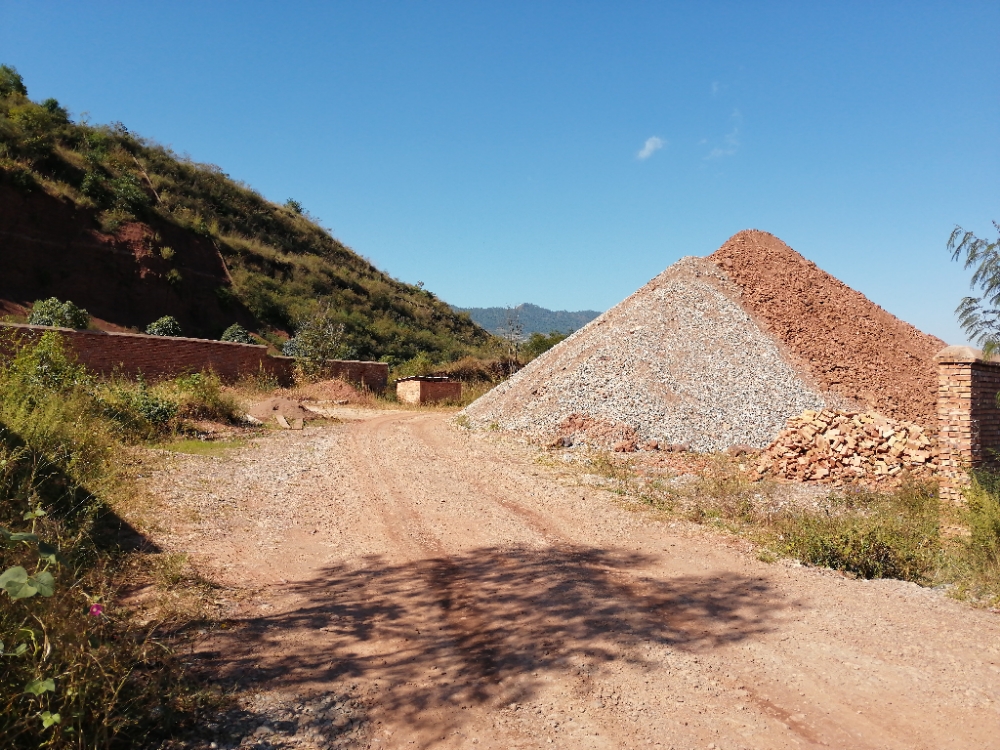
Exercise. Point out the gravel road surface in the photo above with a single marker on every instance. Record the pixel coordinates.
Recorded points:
(403, 583)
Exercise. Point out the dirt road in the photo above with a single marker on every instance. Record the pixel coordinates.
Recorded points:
(420, 586)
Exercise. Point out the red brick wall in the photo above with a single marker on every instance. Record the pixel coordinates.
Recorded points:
(968, 416)
(158, 357)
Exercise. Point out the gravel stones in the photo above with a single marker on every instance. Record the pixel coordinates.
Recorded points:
(679, 361)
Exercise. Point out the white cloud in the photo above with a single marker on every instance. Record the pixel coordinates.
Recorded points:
(651, 146)
(731, 141)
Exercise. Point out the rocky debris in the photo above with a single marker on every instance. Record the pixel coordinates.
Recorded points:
(283, 411)
(581, 429)
(273, 720)
(837, 446)
(844, 342)
(337, 391)
(678, 362)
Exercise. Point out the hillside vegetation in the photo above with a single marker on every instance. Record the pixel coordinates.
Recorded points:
(530, 318)
(280, 266)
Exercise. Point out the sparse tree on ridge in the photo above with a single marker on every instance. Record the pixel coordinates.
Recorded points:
(980, 316)
(11, 81)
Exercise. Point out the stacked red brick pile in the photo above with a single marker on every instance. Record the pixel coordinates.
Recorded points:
(837, 446)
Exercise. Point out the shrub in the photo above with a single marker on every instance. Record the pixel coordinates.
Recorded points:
(539, 343)
(872, 535)
(11, 81)
(983, 504)
(318, 338)
(94, 186)
(128, 194)
(138, 411)
(200, 396)
(54, 108)
(422, 364)
(165, 326)
(52, 312)
(294, 206)
(237, 334)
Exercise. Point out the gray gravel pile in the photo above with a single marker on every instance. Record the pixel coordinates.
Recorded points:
(679, 361)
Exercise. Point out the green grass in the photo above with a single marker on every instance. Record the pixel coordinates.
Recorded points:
(869, 534)
(105, 679)
(202, 447)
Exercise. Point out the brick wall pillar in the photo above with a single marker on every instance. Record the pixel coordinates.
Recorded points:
(968, 416)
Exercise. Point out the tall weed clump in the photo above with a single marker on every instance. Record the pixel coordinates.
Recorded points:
(870, 534)
(982, 546)
(77, 672)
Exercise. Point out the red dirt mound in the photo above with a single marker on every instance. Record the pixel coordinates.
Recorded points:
(845, 341)
(286, 407)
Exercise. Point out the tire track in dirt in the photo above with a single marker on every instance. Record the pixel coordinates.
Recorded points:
(437, 447)
(466, 625)
(460, 593)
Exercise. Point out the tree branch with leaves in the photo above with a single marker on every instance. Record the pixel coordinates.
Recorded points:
(979, 316)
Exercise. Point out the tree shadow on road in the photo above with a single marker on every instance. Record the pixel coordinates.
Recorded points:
(484, 626)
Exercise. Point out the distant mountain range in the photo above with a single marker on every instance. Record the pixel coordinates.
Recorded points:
(533, 319)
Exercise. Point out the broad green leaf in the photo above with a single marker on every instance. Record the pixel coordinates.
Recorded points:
(21, 648)
(4, 533)
(23, 537)
(22, 590)
(16, 583)
(49, 553)
(48, 719)
(37, 687)
(44, 583)
(17, 574)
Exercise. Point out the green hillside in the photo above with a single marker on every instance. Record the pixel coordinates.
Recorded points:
(137, 195)
(530, 318)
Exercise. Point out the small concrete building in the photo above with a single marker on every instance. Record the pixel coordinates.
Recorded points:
(424, 389)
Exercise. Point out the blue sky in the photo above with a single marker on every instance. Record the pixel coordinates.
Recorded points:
(563, 153)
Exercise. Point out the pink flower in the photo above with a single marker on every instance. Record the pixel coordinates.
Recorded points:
(96, 610)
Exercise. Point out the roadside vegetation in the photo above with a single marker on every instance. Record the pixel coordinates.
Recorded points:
(906, 533)
(79, 668)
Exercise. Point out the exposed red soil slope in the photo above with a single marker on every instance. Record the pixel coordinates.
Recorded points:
(51, 248)
(849, 345)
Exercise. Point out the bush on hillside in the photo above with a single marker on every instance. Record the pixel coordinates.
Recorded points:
(52, 312)
(11, 82)
(165, 326)
(54, 108)
(539, 343)
(237, 334)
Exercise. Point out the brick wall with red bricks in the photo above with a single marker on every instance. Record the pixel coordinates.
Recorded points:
(158, 357)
